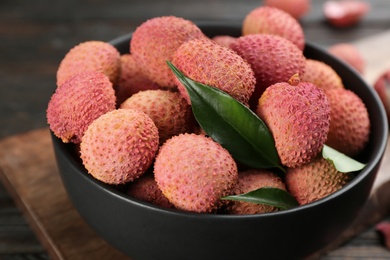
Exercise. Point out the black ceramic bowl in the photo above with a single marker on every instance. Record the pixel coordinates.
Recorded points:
(144, 231)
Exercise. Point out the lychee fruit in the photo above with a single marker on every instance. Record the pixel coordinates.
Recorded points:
(146, 189)
(321, 74)
(345, 13)
(298, 117)
(382, 87)
(154, 42)
(350, 54)
(169, 111)
(131, 79)
(212, 64)
(90, 55)
(296, 8)
(77, 102)
(119, 146)
(194, 172)
(273, 59)
(383, 228)
(349, 122)
(315, 180)
(250, 180)
(271, 20)
(224, 40)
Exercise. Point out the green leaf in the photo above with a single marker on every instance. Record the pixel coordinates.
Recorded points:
(267, 195)
(342, 162)
(231, 124)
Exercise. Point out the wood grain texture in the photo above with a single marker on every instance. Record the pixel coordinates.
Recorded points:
(29, 171)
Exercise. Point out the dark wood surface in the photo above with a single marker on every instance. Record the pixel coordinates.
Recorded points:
(35, 35)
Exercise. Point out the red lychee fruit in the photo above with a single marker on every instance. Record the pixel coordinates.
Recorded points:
(345, 13)
(131, 79)
(349, 122)
(298, 117)
(77, 102)
(315, 180)
(194, 172)
(169, 111)
(321, 74)
(154, 42)
(296, 8)
(250, 180)
(119, 146)
(382, 87)
(90, 56)
(146, 189)
(270, 20)
(224, 40)
(273, 59)
(212, 64)
(350, 54)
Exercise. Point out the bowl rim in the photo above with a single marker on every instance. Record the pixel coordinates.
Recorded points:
(370, 166)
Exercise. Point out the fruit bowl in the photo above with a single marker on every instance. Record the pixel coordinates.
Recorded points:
(144, 231)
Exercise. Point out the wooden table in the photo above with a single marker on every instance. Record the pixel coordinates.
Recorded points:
(35, 35)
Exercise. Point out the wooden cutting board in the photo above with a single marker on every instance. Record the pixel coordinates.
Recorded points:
(29, 172)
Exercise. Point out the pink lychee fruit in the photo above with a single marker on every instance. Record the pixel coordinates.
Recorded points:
(383, 227)
(119, 146)
(169, 111)
(298, 117)
(345, 13)
(315, 180)
(270, 20)
(77, 102)
(349, 122)
(146, 189)
(350, 54)
(154, 42)
(131, 79)
(90, 56)
(224, 40)
(194, 172)
(296, 8)
(212, 64)
(322, 75)
(382, 87)
(250, 180)
(273, 59)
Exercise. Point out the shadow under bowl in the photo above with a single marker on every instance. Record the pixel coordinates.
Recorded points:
(144, 231)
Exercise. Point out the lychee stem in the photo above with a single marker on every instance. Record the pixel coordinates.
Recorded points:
(294, 80)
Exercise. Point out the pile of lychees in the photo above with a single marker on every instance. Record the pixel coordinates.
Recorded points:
(134, 125)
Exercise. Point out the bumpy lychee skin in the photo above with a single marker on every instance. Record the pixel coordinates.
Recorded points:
(349, 122)
(272, 58)
(349, 54)
(91, 55)
(298, 117)
(131, 79)
(78, 102)
(321, 74)
(194, 172)
(296, 8)
(315, 180)
(154, 42)
(119, 146)
(250, 180)
(169, 111)
(270, 20)
(146, 189)
(224, 40)
(212, 64)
